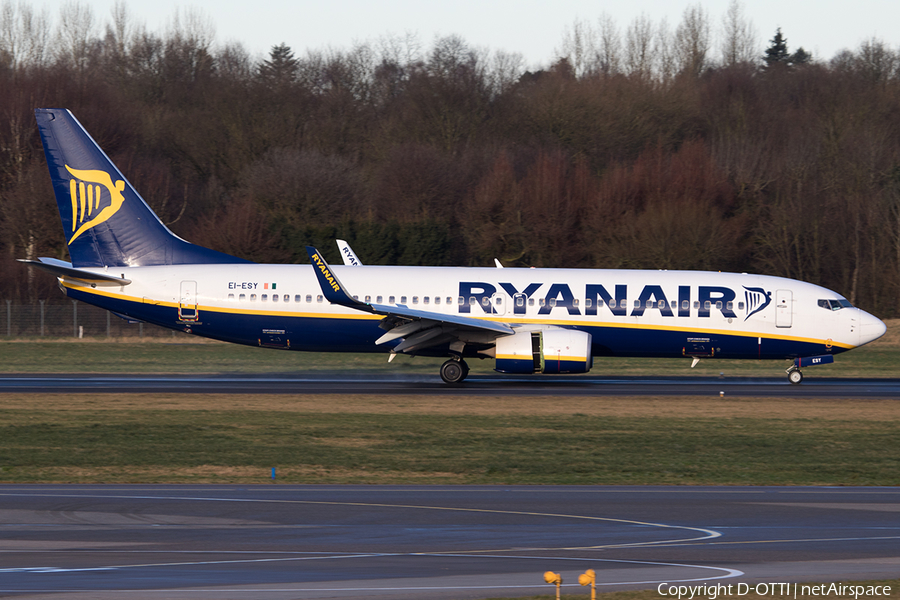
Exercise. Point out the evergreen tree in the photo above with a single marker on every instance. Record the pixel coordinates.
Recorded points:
(777, 52)
(280, 68)
(800, 57)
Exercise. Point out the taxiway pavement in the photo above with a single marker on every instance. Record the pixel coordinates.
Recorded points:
(287, 541)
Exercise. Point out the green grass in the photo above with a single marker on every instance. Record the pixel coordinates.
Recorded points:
(168, 446)
(189, 356)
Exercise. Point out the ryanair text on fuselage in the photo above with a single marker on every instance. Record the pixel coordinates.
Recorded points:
(701, 299)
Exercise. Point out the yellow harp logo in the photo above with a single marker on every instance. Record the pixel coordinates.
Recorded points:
(86, 192)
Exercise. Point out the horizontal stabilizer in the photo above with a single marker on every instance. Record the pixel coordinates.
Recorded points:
(61, 268)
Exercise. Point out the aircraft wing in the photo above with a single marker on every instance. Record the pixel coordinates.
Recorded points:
(418, 328)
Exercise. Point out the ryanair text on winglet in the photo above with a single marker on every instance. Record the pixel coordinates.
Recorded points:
(326, 272)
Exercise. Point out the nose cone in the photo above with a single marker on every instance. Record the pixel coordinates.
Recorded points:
(870, 328)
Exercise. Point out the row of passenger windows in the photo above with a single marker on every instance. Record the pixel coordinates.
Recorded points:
(319, 298)
(485, 301)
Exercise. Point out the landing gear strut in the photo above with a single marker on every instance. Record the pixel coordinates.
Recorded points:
(454, 371)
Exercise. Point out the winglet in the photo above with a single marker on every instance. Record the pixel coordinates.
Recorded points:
(333, 290)
(347, 253)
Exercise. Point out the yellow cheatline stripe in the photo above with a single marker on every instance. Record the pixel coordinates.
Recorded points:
(74, 284)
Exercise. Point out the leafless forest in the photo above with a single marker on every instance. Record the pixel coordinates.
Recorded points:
(638, 145)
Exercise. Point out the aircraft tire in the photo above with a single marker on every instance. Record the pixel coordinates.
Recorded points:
(795, 377)
(454, 371)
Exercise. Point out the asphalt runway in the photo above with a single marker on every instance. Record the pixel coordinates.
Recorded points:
(344, 383)
(404, 542)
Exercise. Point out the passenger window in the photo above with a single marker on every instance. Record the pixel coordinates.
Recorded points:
(552, 302)
(472, 301)
(485, 301)
(450, 300)
(274, 297)
(287, 297)
(498, 300)
(424, 300)
(242, 297)
(637, 303)
(402, 299)
(706, 305)
(612, 303)
(685, 305)
(378, 299)
(542, 301)
(309, 298)
(697, 304)
(391, 300)
(319, 298)
(531, 302)
(589, 303)
(252, 297)
(415, 299)
(437, 299)
(231, 296)
(740, 306)
(729, 305)
(575, 302)
(298, 298)
(718, 304)
(368, 299)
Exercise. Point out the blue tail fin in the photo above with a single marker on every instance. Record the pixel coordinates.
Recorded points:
(106, 222)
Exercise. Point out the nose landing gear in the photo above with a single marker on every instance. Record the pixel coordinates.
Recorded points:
(794, 375)
(454, 371)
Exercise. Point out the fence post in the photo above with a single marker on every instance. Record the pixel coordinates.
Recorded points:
(107, 324)
(42, 317)
(8, 318)
(75, 318)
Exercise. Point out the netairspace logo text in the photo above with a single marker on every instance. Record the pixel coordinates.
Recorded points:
(787, 590)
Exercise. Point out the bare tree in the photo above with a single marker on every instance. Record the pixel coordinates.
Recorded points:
(75, 34)
(639, 48)
(609, 46)
(876, 61)
(739, 45)
(24, 36)
(692, 41)
(664, 52)
(578, 47)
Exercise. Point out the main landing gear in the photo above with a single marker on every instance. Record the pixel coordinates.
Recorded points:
(794, 375)
(454, 370)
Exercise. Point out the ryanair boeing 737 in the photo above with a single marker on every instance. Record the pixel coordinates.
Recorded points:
(125, 260)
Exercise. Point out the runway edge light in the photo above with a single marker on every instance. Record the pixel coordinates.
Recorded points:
(553, 578)
(589, 577)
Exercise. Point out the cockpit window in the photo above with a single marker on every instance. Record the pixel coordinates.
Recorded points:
(835, 304)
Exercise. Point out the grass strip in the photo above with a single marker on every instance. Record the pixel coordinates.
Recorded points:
(195, 356)
(241, 446)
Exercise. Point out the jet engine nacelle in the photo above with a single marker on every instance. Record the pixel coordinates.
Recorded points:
(544, 351)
